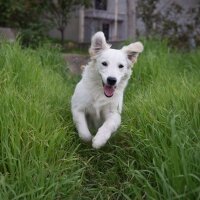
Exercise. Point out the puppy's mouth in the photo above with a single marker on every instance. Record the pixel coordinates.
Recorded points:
(108, 90)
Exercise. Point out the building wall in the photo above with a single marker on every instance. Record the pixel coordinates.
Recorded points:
(95, 19)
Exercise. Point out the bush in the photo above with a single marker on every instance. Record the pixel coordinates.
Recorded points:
(181, 27)
(26, 16)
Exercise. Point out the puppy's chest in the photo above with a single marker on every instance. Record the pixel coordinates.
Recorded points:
(101, 106)
(98, 106)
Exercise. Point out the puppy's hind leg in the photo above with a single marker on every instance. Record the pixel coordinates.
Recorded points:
(81, 125)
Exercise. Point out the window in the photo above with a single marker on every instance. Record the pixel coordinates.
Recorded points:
(100, 4)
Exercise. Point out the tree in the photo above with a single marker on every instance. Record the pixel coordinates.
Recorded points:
(179, 25)
(25, 16)
(58, 13)
(146, 11)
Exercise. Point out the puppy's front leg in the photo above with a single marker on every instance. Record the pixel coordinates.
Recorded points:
(110, 125)
(81, 125)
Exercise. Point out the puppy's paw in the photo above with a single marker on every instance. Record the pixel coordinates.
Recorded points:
(98, 142)
(86, 137)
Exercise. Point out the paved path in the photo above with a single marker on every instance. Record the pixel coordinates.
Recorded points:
(75, 61)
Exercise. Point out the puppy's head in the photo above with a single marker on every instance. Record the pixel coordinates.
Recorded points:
(113, 65)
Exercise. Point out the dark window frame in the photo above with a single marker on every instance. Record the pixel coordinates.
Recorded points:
(100, 4)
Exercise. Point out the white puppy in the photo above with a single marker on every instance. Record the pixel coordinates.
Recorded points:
(98, 97)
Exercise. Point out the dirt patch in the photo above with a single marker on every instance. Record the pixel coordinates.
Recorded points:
(75, 61)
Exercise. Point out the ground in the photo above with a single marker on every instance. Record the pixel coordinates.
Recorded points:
(75, 61)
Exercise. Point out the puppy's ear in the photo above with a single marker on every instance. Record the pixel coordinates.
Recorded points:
(98, 44)
(133, 50)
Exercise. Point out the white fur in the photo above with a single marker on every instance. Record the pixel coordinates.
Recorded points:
(89, 104)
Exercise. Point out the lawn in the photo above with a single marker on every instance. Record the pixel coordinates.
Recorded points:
(154, 155)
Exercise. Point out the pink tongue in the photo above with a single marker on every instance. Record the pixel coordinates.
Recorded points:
(108, 90)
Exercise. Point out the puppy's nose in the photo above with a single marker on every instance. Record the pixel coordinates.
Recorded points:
(111, 80)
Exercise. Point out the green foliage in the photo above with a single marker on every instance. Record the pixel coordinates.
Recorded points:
(35, 17)
(4, 12)
(146, 11)
(185, 34)
(34, 34)
(154, 155)
(26, 17)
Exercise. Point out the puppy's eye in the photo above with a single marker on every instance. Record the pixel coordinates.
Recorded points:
(121, 66)
(104, 64)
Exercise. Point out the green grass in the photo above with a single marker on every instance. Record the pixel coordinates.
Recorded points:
(155, 155)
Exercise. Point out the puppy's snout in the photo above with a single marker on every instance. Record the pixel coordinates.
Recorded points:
(111, 80)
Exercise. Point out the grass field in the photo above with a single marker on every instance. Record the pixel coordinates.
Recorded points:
(155, 155)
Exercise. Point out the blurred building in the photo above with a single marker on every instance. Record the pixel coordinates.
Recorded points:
(110, 16)
(116, 18)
